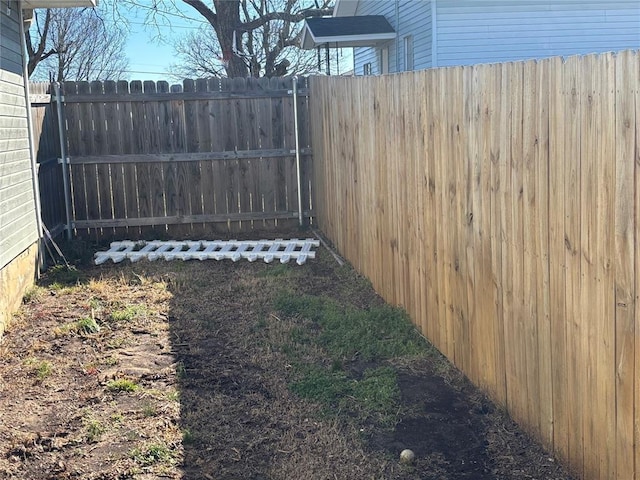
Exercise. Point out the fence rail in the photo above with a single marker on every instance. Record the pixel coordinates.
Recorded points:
(500, 205)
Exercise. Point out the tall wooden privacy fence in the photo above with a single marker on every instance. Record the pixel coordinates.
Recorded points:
(47, 150)
(500, 205)
(147, 159)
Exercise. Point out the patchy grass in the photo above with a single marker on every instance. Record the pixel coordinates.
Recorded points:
(151, 454)
(238, 370)
(122, 385)
(330, 342)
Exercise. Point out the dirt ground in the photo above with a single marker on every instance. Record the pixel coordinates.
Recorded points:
(171, 370)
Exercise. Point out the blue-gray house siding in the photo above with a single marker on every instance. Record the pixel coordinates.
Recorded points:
(18, 226)
(465, 32)
(410, 18)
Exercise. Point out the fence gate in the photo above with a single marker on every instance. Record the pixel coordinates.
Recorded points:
(150, 160)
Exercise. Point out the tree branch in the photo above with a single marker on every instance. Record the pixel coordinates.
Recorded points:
(287, 17)
(203, 10)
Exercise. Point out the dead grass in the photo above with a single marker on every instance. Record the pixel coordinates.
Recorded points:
(221, 370)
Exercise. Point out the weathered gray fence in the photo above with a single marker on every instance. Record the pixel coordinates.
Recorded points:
(147, 159)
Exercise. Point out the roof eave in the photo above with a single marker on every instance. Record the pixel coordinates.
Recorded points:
(58, 3)
(309, 41)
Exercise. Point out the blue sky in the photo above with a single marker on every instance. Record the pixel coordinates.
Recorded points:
(150, 49)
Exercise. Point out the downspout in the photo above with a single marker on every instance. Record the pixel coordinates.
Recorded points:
(397, 36)
(34, 167)
(295, 123)
(434, 34)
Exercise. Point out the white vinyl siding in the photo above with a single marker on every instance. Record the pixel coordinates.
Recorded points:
(486, 31)
(18, 229)
(415, 19)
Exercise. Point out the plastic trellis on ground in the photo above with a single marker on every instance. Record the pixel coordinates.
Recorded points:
(267, 250)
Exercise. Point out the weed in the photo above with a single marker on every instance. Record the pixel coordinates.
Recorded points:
(94, 303)
(111, 361)
(173, 395)
(93, 429)
(122, 385)
(33, 294)
(321, 385)
(117, 417)
(63, 275)
(152, 454)
(128, 313)
(149, 410)
(87, 326)
(181, 371)
(187, 437)
(43, 370)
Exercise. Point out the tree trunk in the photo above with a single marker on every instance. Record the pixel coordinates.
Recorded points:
(228, 15)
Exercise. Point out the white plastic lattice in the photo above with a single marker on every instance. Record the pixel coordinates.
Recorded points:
(267, 250)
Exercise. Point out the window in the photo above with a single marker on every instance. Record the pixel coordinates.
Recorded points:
(366, 69)
(383, 60)
(408, 52)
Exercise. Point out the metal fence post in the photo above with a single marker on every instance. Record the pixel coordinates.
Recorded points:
(64, 160)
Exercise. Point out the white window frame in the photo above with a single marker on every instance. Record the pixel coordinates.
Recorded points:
(408, 53)
(383, 60)
(367, 69)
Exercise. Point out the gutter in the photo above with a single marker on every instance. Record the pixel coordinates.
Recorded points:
(34, 166)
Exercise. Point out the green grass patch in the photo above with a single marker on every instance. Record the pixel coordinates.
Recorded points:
(40, 369)
(346, 339)
(87, 326)
(152, 454)
(63, 275)
(375, 395)
(93, 430)
(379, 333)
(122, 385)
(128, 313)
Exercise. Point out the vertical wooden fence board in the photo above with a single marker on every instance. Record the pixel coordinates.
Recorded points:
(141, 143)
(541, 231)
(128, 146)
(498, 159)
(194, 172)
(100, 147)
(588, 254)
(473, 217)
(71, 112)
(506, 180)
(605, 324)
(625, 258)
(115, 141)
(572, 240)
(635, 66)
(87, 147)
(530, 253)
(557, 264)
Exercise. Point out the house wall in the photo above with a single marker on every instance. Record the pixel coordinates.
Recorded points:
(18, 227)
(486, 31)
(414, 19)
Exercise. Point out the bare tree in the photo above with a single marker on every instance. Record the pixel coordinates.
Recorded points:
(246, 37)
(271, 51)
(75, 44)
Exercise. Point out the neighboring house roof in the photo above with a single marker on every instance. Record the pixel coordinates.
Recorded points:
(361, 31)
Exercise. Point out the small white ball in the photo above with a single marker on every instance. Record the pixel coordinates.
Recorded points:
(407, 456)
